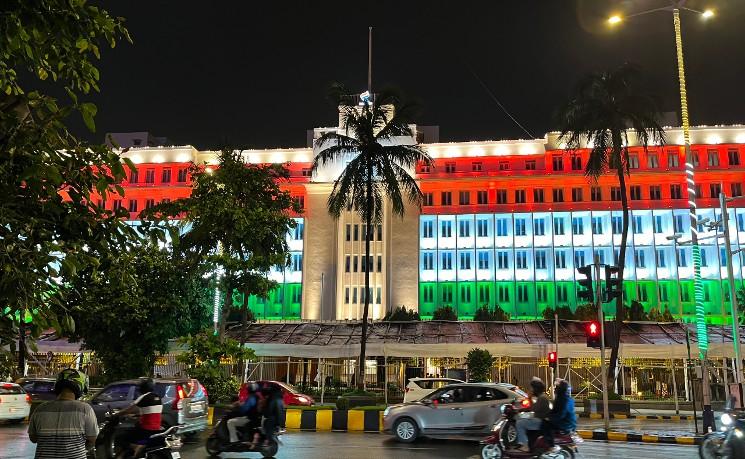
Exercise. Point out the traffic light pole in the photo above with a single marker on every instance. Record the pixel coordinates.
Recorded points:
(601, 319)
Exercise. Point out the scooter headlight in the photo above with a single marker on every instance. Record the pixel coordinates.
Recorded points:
(726, 419)
(738, 433)
(502, 408)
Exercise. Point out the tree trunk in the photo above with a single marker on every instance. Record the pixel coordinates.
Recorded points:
(616, 335)
(244, 324)
(227, 304)
(365, 311)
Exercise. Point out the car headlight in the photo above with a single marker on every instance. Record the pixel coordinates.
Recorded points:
(302, 399)
(726, 419)
(386, 411)
(502, 408)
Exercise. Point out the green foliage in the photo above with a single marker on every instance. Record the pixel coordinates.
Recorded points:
(49, 179)
(130, 307)
(655, 315)
(445, 313)
(401, 314)
(740, 295)
(564, 312)
(599, 396)
(586, 311)
(484, 314)
(479, 363)
(204, 354)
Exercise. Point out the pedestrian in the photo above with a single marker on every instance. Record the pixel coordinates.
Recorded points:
(65, 427)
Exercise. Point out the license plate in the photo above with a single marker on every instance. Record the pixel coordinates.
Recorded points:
(197, 407)
(175, 455)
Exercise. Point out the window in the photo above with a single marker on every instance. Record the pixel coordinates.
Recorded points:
(520, 227)
(636, 192)
(579, 258)
(482, 197)
(636, 223)
(538, 195)
(576, 163)
(662, 292)
(348, 264)
(733, 157)
(356, 232)
(521, 259)
(296, 262)
(655, 192)
(694, 155)
(299, 201)
(428, 261)
(465, 260)
(464, 228)
(678, 223)
(675, 192)
(134, 176)
(682, 260)
(503, 261)
(464, 198)
(520, 196)
(133, 205)
(465, 293)
(530, 165)
(601, 256)
(483, 294)
(427, 227)
(615, 193)
(558, 226)
(560, 259)
(503, 293)
(380, 263)
(502, 227)
(116, 393)
(639, 258)
(596, 193)
(704, 261)
(577, 194)
(428, 199)
(477, 166)
(641, 293)
(561, 293)
(541, 293)
(117, 204)
(447, 293)
(658, 224)
(354, 295)
(482, 228)
(501, 196)
(578, 226)
(633, 162)
(673, 160)
(735, 189)
(446, 229)
(355, 264)
(741, 222)
(483, 260)
(447, 261)
(617, 224)
(504, 165)
(597, 225)
(715, 189)
(428, 294)
(522, 293)
(181, 175)
(713, 158)
(540, 259)
(380, 232)
(346, 295)
(308, 172)
(150, 176)
(539, 227)
(652, 161)
(558, 195)
(446, 198)
(450, 167)
(660, 258)
(149, 203)
(558, 163)
(165, 176)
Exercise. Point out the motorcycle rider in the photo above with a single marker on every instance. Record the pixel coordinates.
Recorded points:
(562, 416)
(274, 413)
(541, 408)
(149, 407)
(245, 412)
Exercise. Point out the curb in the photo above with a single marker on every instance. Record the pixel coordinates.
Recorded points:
(638, 437)
(335, 420)
(672, 417)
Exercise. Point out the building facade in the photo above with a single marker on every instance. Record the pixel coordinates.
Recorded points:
(504, 223)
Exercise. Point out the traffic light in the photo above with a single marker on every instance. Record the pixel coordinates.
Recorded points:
(592, 332)
(586, 294)
(553, 359)
(612, 284)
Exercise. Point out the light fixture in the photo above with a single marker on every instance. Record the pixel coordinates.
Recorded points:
(615, 19)
(707, 14)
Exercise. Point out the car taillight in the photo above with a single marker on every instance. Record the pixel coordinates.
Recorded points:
(178, 401)
(28, 399)
(203, 389)
(525, 403)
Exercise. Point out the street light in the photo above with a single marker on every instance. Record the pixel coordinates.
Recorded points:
(702, 333)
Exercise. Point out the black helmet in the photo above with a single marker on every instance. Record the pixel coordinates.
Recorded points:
(537, 385)
(146, 385)
(561, 386)
(71, 379)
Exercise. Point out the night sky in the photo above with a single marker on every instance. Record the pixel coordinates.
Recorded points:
(255, 74)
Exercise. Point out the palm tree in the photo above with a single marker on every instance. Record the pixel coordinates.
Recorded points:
(378, 169)
(604, 109)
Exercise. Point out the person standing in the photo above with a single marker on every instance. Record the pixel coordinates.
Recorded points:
(65, 427)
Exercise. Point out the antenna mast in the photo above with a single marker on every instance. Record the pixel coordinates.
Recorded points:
(369, 60)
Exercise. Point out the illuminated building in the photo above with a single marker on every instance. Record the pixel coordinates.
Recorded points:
(503, 223)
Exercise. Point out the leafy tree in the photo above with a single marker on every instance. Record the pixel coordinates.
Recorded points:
(205, 354)
(445, 313)
(479, 363)
(50, 222)
(378, 171)
(636, 311)
(586, 311)
(235, 222)
(740, 295)
(603, 110)
(130, 308)
(401, 314)
(484, 314)
(564, 312)
(656, 316)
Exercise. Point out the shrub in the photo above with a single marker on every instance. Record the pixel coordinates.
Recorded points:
(479, 363)
(484, 314)
(599, 396)
(586, 312)
(445, 313)
(564, 312)
(401, 314)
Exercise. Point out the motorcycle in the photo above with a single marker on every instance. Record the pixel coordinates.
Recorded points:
(504, 435)
(729, 441)
(219, 440)
(162, 445)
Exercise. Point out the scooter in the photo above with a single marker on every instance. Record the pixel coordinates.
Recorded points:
(729, 441)
(497, 445)
(162, 445)
(219, 441)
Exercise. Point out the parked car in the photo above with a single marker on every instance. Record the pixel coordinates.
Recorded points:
(185, 401)
(15, 403)
(457, 410)
(421, 387)
(290, 395)
(40, 389)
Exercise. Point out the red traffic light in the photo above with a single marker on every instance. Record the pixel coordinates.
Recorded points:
(552, 356)
(593, 329)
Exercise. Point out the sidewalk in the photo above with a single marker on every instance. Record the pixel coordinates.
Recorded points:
(645, 428)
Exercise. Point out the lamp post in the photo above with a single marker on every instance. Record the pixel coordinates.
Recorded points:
(701, 331)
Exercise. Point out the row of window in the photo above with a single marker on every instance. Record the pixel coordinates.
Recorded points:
(165, 176)
(133, 205)
(356, 232)
(279, 297)
(357, 263)
(635, 193)
(356, 295)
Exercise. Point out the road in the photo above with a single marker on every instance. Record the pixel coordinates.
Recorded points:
(14, 444)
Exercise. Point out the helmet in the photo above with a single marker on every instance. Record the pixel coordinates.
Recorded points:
(71, 379)
(562, 386)
(146, 385)
(537, 385)
(253, 387)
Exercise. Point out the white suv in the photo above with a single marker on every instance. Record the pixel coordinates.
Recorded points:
(421, 387)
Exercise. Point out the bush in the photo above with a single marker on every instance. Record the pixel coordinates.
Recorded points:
(564, 312)
(445, 313)
(599, 396)
(479, 363)
(343, 401)
(484, 314)
(401, 314)
(586, 312)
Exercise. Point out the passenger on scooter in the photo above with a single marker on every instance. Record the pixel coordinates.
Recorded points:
(562, 416)
(149, 407)
(541, 408)
(274, 413)
(245, 412)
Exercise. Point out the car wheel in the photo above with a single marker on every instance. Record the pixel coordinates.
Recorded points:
(406, 430)
(491, 452)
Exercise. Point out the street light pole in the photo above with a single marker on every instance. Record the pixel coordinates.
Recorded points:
(732, 290)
